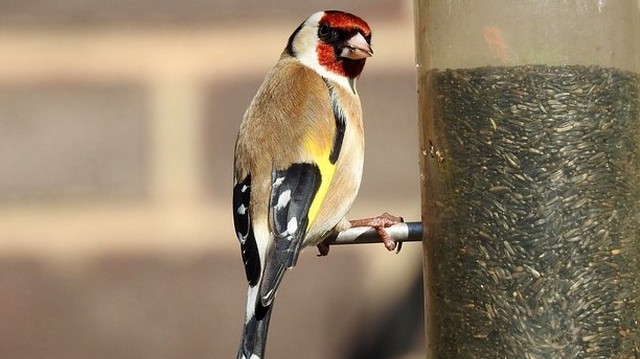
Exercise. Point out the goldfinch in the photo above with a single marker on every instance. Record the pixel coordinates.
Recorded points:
(299, 158)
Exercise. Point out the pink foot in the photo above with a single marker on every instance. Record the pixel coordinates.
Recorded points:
(379, 223)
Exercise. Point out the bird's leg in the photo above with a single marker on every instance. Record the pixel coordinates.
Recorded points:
(379, 223)
(323, 248)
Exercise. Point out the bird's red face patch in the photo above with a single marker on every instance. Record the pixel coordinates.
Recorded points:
(345, 23)
(327, 58)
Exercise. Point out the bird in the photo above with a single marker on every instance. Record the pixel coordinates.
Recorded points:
(298, 160)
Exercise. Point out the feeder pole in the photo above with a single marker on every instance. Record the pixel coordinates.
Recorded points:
(529, 121)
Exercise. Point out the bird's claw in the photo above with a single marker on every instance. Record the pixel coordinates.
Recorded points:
(323, 248)
(379, 223)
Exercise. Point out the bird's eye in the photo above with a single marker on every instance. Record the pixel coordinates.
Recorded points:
(324, 30)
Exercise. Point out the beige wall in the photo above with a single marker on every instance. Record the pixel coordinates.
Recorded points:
(116, 132)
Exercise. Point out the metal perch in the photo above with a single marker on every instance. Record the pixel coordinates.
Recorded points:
(401, 232)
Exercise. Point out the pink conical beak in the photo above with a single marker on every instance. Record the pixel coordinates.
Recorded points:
(357, 48)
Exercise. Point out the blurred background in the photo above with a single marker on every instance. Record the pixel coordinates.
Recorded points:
(117, 124)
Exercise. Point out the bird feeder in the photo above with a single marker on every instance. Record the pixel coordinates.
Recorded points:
(529, 117)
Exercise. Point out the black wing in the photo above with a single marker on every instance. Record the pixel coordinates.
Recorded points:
(244, 230)
(292, 192)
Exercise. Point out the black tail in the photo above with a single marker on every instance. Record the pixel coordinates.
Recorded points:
(254, 334)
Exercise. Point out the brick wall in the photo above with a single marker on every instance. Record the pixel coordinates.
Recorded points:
(117, 121)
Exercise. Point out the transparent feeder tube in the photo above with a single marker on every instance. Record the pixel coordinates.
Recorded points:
(529, 116)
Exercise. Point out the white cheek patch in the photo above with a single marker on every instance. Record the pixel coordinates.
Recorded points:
(305, 47)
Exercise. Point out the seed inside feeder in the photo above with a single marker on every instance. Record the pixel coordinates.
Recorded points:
(537, 206)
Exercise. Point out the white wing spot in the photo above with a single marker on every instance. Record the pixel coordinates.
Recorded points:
(284, 199)
(244, 188)
(268, 294)
(253, 356)
(242, 210)
(241, 237)
(278, 181)
(292, 226)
